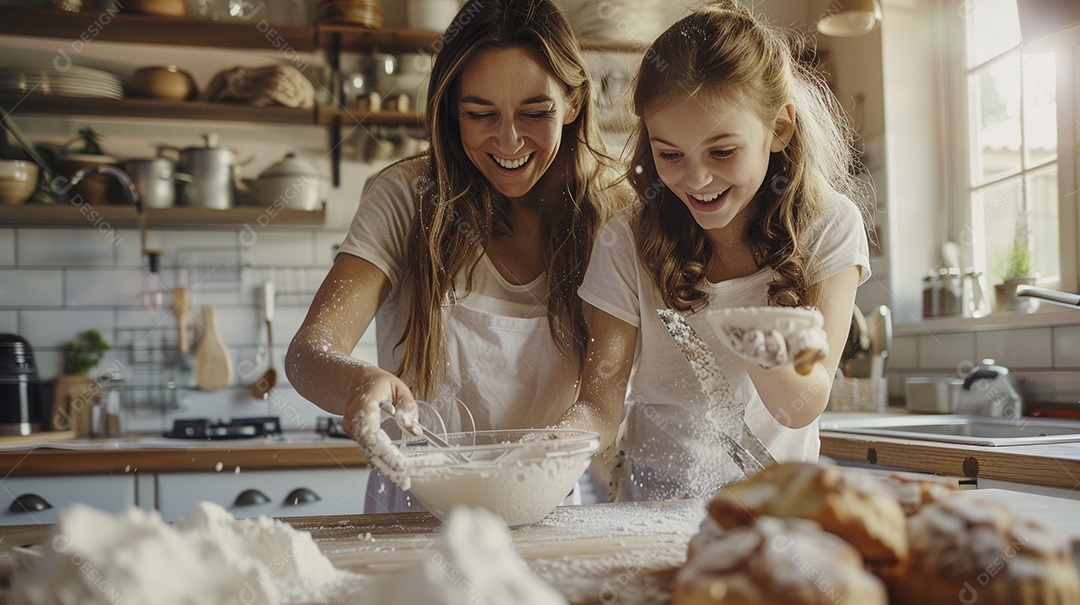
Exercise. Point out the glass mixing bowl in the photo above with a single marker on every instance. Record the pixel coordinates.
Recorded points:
(520, 475)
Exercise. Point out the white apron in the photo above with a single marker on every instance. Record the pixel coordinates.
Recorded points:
(506, 370)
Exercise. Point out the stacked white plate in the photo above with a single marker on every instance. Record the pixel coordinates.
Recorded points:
(75, 81)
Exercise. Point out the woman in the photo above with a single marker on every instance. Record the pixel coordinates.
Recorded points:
(469, 256)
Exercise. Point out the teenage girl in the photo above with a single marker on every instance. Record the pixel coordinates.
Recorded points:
(743, 170)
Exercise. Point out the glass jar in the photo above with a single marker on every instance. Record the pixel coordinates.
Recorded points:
(950, 301)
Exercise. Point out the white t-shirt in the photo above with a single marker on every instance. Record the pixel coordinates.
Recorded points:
(501, 362)
(668, 452)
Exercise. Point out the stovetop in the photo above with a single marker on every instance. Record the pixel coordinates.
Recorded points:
(266, 427)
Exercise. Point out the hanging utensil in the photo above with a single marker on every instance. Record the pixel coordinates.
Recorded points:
(182, 309)
(213, 363)
(880, 340)
(267, 382)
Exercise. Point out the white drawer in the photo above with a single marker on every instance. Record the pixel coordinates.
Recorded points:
(334, 491)
(112, 493)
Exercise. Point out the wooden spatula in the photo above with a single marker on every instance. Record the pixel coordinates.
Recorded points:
(213, 363)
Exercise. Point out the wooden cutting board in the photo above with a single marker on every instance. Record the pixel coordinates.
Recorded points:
(213, 362)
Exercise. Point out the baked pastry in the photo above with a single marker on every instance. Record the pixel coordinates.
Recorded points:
(968, 550)
(776, 562)
(708, 532)
(848, 504)
(913, 491)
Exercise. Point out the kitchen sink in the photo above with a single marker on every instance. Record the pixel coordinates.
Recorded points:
(967, 430)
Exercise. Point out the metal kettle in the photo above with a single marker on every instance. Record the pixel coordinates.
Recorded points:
(214, 173)
(989, 390)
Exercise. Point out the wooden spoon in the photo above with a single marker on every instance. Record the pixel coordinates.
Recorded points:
(213, 363)
(266, 382)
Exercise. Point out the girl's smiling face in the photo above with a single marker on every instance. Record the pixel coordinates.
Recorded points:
(713, 154)
(511, 111)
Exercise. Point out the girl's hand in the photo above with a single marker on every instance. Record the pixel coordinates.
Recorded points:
(363, 423)
(770, 349)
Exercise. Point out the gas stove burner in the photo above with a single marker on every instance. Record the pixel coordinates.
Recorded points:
(330, 426)
(235, 428)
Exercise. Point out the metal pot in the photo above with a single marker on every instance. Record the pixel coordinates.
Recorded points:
(293, 183)
(155, 179)
(214, 172)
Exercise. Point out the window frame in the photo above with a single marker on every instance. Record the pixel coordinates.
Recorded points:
(958, 129)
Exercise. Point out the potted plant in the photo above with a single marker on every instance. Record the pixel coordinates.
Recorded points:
(85, 151)
(1016, 270)
(75, 390)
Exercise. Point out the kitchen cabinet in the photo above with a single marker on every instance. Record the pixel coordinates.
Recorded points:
(284, 493)
(36, 500)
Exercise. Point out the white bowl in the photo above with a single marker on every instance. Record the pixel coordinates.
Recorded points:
(520, 481)
(18, 180)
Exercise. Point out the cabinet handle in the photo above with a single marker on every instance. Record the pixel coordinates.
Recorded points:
(301, 495)
(29, 503)
(251, 497)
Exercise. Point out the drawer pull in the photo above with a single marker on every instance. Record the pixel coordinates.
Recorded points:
(29, 503)
(251, 497)
(301, 495)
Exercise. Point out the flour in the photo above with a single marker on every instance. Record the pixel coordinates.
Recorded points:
(473, 563)
(518, 491)
(95, 558)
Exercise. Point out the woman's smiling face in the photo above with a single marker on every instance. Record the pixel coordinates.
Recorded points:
(713, 154)
(511, 111)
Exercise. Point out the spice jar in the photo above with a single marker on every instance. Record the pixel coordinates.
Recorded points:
(952, 293)
(931, 293)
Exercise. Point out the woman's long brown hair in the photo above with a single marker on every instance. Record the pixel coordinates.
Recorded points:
(459, 210)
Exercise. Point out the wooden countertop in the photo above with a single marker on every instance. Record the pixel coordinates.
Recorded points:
(135, 453)
(1052, 465)
(600, 553)
(625, 553)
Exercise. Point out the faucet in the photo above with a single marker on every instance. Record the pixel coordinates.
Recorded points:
(132, 194)
(988, 390)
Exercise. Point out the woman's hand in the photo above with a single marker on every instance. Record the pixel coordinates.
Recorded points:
(364, 418)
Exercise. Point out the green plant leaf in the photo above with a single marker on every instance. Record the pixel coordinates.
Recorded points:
(83, 353)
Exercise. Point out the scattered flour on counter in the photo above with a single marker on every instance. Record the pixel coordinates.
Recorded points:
(95, 558)
(472, 563)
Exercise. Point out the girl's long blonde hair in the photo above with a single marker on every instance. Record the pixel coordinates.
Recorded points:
(722, 51)
(459, 210)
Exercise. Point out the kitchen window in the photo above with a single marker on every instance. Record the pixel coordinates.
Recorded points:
(1012, 180)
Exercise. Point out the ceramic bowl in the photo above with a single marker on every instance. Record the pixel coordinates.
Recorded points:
(18, 180)
(519, 475)
(165, 82)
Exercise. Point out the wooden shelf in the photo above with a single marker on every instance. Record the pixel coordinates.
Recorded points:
(39, 104)
(351, 37)
(357, 36)
(149, 29)
(68, 215)
(326, 117)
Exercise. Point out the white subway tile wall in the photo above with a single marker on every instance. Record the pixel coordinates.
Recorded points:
(56, 283)
(945, 351)
(1067, 347)
(7, 247)
(1022, 348)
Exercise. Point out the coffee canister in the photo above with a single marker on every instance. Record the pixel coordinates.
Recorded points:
(21, 393)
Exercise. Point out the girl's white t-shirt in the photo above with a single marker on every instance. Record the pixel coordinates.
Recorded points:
(668, 455)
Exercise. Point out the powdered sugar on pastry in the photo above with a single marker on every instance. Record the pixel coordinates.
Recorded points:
(773, 561)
